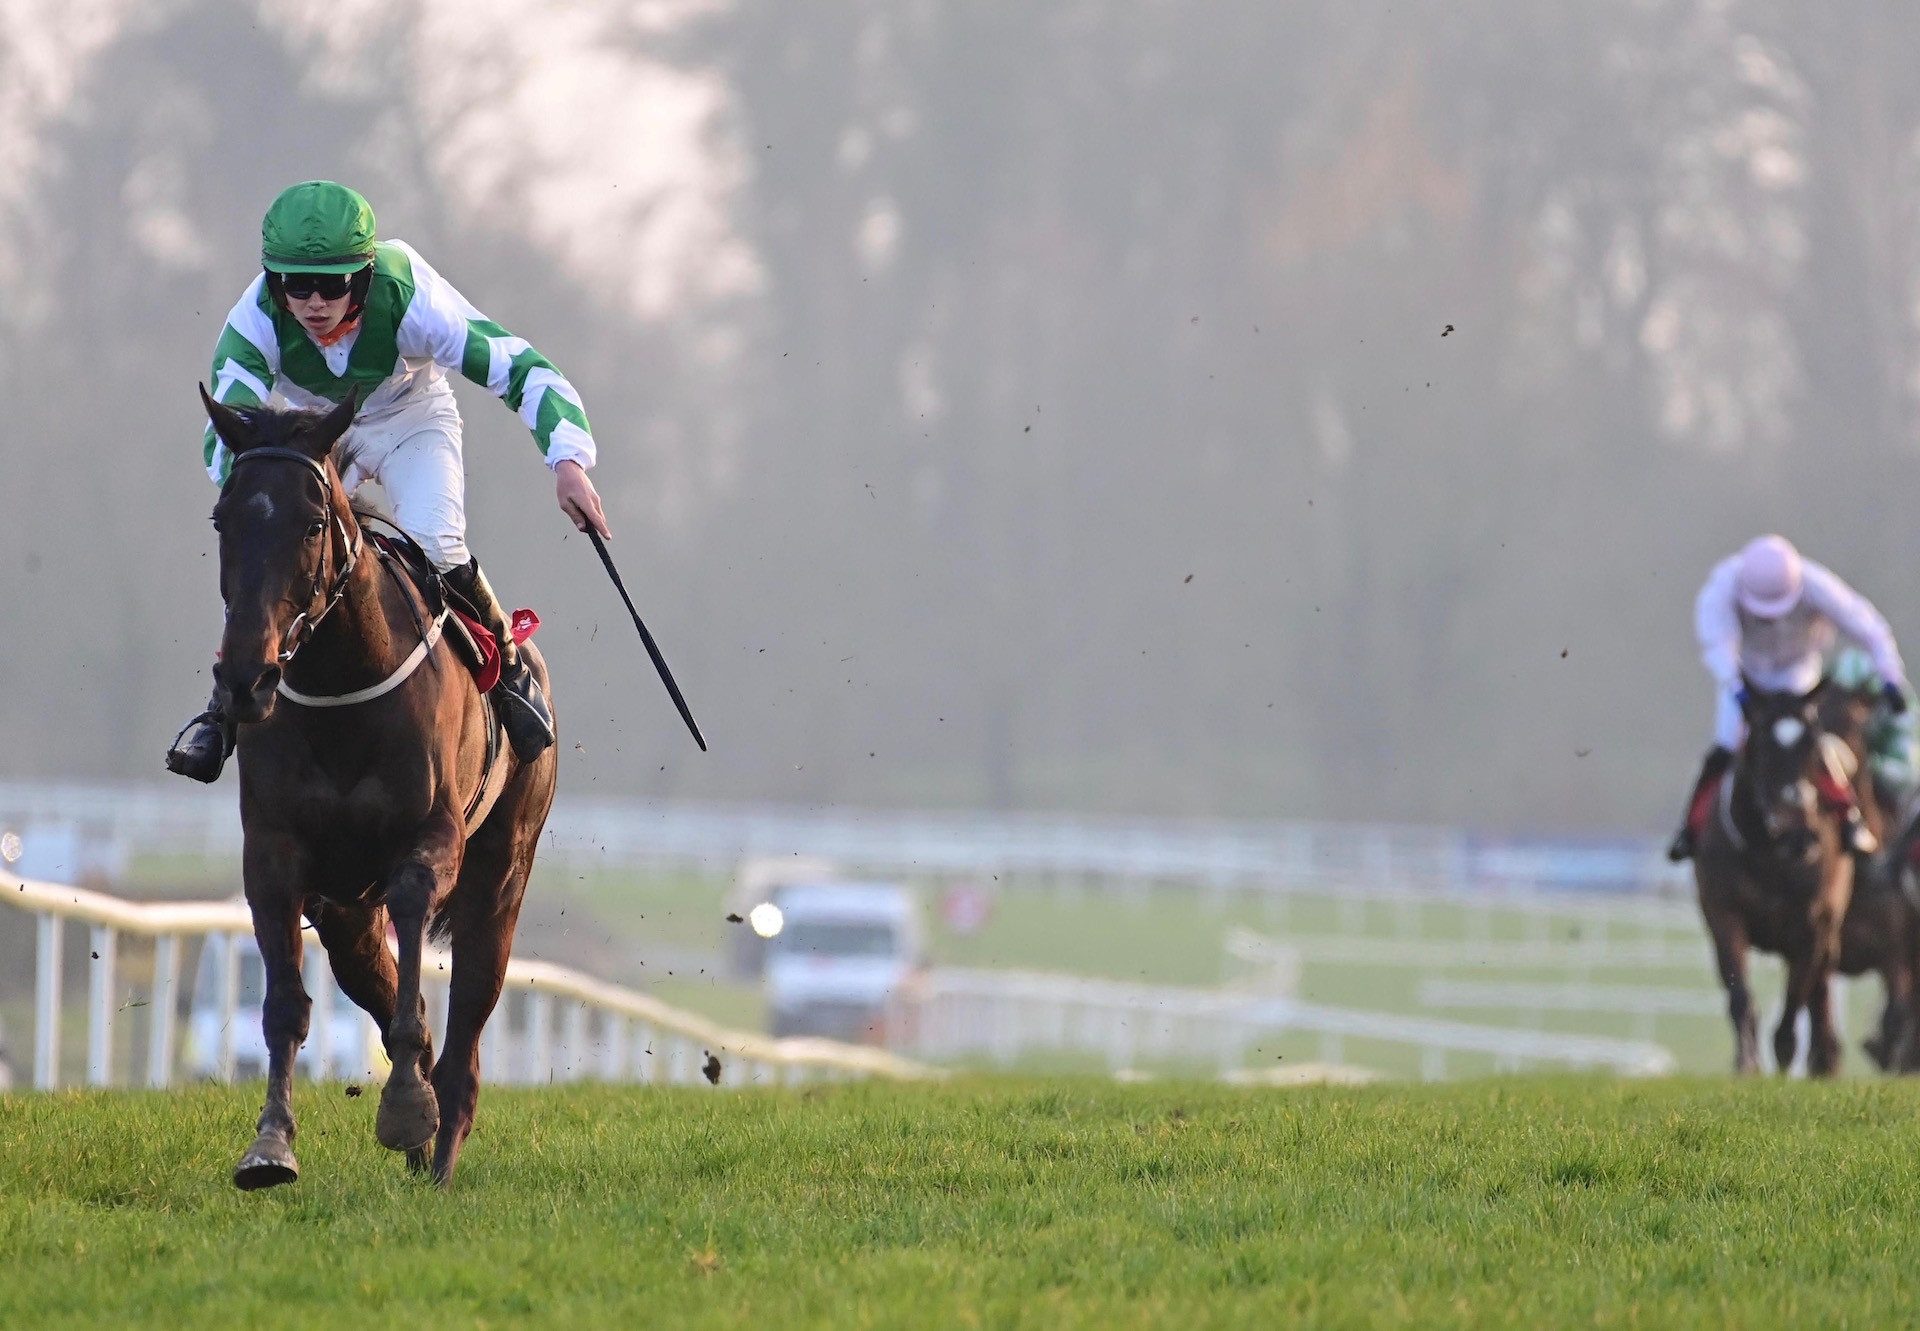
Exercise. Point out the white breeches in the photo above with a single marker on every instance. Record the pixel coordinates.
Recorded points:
(1729, 726)
(415, 455)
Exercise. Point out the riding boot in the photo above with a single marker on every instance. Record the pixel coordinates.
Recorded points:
(1685, 841)
(200, 749)
(518, 697)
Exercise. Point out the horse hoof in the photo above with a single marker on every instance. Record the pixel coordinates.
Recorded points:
(269, 1164)
(409, 1116)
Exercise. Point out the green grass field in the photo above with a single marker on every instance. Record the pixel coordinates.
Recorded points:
(1071, 1203)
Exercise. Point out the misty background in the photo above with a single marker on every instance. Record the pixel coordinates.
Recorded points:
(1035, 406)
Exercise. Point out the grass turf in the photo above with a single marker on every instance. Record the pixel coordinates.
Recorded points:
(991, 1203)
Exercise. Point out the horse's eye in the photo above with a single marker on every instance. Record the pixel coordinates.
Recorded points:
(313, 532)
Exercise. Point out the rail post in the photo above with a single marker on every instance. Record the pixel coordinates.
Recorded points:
(100, 1006)
(46, 1005)
(161, 1009)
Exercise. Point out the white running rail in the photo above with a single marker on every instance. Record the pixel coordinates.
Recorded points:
(569, 1026)
(1529, 996)
(1006, 1016)
(1436, 953)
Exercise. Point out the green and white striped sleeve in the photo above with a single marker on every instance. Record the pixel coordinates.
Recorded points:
(446, 325)
(246, 361)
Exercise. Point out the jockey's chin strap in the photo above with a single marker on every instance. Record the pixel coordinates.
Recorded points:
(300, 631)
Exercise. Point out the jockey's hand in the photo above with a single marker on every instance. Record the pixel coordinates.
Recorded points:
(578, 499)
(1894, 696)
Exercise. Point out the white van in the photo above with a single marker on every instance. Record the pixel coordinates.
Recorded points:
(348, 1045)
(839, 953)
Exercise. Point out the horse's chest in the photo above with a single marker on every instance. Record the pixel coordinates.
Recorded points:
(371, 808)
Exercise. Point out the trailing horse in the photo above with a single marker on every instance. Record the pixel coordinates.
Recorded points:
(1774, 872)
(373, 786)
(1881, 932)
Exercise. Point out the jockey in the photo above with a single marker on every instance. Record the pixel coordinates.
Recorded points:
(1770, 616)
(1890, 732)
(335, 310)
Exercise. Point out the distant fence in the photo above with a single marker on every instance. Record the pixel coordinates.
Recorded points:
(1007, 1016)
(553, 1024)
(1226, 856)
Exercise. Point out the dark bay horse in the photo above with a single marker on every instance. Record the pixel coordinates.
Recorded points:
(357, 799)
(1774, 872)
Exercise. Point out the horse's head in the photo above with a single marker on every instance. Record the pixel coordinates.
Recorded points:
(1780, 759)
(286, 543)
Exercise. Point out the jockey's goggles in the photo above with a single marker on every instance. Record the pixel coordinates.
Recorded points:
(327, 286)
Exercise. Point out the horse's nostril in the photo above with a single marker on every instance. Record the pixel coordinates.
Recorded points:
(246, 687)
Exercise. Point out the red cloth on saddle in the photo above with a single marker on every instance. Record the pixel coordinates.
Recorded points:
(488, 672)
(1834, 793)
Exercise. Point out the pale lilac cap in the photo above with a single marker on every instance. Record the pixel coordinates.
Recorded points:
(1770, 578)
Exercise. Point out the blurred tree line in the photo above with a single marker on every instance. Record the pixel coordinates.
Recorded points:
(1040, 406)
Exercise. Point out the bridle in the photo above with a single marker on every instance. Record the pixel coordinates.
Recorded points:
(300, 630)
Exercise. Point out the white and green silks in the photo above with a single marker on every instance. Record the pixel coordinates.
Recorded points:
(414, 328)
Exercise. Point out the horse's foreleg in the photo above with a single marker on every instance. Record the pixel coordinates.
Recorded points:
(1828, 920)
(1823, 1057)
(1730, 960)
(1803, 976)
(409, 1114)
(284, 1015)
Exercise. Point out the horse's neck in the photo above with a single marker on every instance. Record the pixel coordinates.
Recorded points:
(361, 640)
(1742, 803)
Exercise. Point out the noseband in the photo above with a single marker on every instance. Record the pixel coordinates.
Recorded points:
(300, 631)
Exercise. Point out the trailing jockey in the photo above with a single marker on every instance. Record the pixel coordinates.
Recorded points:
(336, 311)
(1769, 616)
(1890, 737)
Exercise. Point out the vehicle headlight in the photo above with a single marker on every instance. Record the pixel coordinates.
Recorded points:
(766, 919)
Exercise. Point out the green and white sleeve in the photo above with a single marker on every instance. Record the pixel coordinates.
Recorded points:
(459, 337)
(246, 361)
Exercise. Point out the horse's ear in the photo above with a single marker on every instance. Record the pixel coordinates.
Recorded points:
(319, 438)
(234, 429)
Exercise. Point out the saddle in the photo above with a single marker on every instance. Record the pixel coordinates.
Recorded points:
(464, 632)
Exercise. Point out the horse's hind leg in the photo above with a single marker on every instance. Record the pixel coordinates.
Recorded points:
(356, 941)
(276, 926)
(1888, 1046)
(409, 1114)
(493, 882)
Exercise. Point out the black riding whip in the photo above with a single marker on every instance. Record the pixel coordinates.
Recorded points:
(659, 661)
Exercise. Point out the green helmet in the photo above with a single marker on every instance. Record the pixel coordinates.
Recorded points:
(317, 226)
